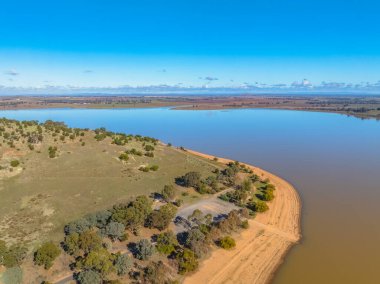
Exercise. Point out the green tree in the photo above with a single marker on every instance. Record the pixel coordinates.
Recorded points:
(89, 277)
(114, 230)
(123, 264)
(13, 256)
(144, 249)
(99, 260)
(46, 254)
(168, 193)
(166, 242)
(187, 261)
(162, 217)
(191, 179)
(89, 241)
(157, 273)
(258, 206)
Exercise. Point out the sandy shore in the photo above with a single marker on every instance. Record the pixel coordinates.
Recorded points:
(261, 248)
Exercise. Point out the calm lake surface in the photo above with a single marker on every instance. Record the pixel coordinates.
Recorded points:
(333, 161)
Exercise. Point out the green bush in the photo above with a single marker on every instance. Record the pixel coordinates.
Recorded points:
(154, 168)
(168, 192)
(166, 242)
(258, 206)
(15, 163)
(124, 157)
(46, 255)
(89, 277)
(144, 249)
(123, 264)
(245, 224)
(227, 242)
(191, 179)
(187, 261)
(149, 148)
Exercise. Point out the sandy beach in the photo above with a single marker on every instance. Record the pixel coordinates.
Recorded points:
(261, 248)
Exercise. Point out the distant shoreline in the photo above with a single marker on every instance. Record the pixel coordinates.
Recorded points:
(262, 248)
(358, 106)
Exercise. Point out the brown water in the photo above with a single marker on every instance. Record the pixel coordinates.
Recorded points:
(333, 161)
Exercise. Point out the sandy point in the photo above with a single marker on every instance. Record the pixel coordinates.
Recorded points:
(261, 248)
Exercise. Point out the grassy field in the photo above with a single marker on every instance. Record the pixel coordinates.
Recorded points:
(42, 194)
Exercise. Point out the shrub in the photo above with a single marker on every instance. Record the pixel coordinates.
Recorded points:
(89, 277)
(154, 168)
(144, 249)
(157, 273)
(114, 230)
(149, 154)
(124, 157)
(267, 195)
(149, 148)
(178, 202)
(191, 179)
(144, 169)
(52, 151)
(227, 242)
(15, 163)
(168, 192)
(258, 206)
(162, 217)
(99, 260)
(77, 226)
(133, 214)
(166, 242)
(13, 256)
(123, 264)
(187, 261)
(245, 224)
(46, 255)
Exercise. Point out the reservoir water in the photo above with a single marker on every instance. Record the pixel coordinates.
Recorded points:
(332, 160)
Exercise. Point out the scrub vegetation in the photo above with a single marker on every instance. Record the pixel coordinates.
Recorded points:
(100, 205)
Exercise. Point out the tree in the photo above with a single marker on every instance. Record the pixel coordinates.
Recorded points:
(13, 256)
(133, 214)
(89, 277)
(162, 217)
(258, 206)
(196, 241)
(99, 260)
(71, 244)
(89, 241)
(144, 249)
(166, 242)
(227, 242)
(46, 254)
(168, 193)
(187, 261)
(78, 226)
(156, 273)
(123, 264)
(191, 179)
(267, 195)
(114, 230)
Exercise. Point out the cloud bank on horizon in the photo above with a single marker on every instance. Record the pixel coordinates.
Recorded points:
(199, 46)
(302, 87)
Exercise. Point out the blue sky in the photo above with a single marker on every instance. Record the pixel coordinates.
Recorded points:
(188, 43)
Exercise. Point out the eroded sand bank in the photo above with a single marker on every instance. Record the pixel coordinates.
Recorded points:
(261, 248)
